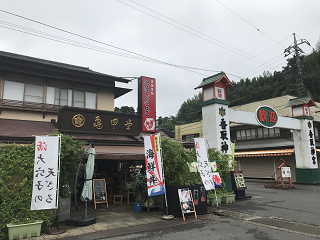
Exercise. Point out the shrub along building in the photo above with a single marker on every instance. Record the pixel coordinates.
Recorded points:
(33, 91)
(258, 149)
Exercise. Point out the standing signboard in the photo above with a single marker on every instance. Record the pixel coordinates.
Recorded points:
(204, 164)
(99, 192)
(147, 103)
(153, 163)
(186, 202)
(45, 191)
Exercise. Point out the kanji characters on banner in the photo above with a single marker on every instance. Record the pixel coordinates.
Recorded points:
(204, 164)
(153, 165)
(217, 180)
(45, 176)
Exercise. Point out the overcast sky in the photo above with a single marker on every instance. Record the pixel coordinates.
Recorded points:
(242, 38)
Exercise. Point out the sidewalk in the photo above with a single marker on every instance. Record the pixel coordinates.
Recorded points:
(118, 220)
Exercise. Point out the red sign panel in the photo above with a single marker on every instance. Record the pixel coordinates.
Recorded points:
(148, 104)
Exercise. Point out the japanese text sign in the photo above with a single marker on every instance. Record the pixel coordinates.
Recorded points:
(204, 164)
(147, 103)
(267, 116)
(45, 176)
(91, 121)
(153, 165)
(286, 172)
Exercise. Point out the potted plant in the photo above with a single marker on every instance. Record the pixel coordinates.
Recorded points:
(138, 185)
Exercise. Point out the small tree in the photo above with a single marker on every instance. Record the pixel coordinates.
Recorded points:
(139, 184)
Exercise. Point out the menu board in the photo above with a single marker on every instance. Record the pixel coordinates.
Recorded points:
(239, 179)
(99, 191)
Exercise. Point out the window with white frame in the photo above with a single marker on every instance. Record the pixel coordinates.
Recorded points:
(22, 92)
(85, 99)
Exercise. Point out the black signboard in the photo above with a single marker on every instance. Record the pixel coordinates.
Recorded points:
(81, 120)
(99, 191)
(238, 180)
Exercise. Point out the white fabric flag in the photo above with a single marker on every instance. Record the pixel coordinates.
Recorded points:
(204, 164)
(153, 162)
(45, 176)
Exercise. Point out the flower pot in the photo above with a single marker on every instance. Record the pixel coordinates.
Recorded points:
(24, 230)
(230, 198)
(137, 207)
(214, 202)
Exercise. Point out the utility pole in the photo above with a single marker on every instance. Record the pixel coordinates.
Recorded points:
(297, 50)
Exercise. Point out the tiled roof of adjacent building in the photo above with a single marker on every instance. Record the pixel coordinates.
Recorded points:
(299, 101)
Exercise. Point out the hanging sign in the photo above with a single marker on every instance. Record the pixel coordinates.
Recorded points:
(267, 116)
(217, 180)
(147, 103)
(213, 166)
(153, 165)
(203, 163)
(46, 172)
(193, 167)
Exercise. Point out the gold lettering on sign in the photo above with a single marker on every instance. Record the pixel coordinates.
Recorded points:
(128, 124)
(98, 124)
(114, 122)
(78, 120)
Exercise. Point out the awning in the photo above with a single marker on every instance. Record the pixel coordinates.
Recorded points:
(120, 152)
(265, 153)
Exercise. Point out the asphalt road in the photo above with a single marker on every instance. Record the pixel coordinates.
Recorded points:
(276, 214)
(221, 228)
(300, 204)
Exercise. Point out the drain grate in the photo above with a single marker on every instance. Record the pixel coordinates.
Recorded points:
(292, 226)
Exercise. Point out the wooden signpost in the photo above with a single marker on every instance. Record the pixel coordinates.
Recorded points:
(99, 192)
(186, 202)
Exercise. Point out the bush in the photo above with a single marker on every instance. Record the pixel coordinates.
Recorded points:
(71, 152)
(175, 163)
(16, 180)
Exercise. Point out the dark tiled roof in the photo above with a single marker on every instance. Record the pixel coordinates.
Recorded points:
(59, 65)
(213, 79)
(299, 101)
(22, 128)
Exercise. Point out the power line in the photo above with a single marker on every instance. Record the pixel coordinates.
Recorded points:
(248, 22)
(207, 36)
(90, 39)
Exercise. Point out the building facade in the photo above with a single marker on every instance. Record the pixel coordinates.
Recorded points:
(257, 149)
(32, 92)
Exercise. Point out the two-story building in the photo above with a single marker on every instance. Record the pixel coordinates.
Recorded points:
(258, 149)
(33, 90)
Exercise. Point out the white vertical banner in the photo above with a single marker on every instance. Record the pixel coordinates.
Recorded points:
(153, 163)
(46, 172)
(203, 163)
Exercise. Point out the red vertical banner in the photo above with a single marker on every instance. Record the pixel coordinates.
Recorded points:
(147, 103)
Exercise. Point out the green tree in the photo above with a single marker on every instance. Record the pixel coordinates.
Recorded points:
(125, 109)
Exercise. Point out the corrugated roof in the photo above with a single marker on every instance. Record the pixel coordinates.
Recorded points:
(265, 153)
(58, 64)
(213, 79)
(300, 101)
